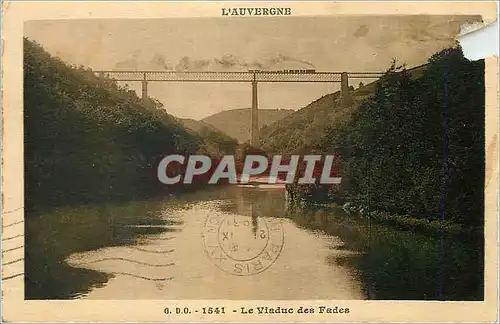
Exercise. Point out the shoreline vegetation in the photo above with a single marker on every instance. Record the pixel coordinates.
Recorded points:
(404, 222)
(413, 150)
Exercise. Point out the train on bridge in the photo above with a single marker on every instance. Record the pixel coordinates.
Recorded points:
(301, 71)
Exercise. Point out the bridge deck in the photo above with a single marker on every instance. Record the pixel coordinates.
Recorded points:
(261, 76)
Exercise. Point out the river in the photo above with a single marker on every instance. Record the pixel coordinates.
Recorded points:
(239, 242)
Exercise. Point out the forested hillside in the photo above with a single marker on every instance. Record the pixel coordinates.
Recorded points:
(87, 139)
(215, 142)
(416, 146)
(302, 130)
(237, 122)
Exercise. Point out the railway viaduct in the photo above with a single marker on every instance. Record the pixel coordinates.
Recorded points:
(253, 76)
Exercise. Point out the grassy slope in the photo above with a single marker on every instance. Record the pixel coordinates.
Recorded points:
(236, 122)
(214, 142)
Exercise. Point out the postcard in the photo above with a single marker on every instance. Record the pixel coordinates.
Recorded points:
(248, 162)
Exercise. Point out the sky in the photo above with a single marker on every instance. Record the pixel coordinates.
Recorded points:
(343, 43)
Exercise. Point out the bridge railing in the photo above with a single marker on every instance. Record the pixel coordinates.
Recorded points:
(206, 76)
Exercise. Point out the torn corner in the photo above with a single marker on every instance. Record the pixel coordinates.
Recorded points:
(479, 41)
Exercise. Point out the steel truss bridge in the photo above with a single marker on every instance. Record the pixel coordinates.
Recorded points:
(252, 76)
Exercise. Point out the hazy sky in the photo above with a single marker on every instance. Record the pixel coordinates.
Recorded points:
(354, 44)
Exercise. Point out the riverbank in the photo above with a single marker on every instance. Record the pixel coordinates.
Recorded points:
(404, 221)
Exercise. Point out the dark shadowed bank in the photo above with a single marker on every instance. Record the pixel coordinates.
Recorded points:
(88, 141)
(411, 157)
(397, 263)
(414, 148)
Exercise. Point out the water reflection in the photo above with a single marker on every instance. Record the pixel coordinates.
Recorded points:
(52, 236)
(154, 249)
(401, 264)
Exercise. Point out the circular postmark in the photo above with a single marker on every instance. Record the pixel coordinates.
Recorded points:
(242, 245)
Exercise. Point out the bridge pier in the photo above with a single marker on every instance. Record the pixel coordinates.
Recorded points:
(144, 92)
(345, 96)
(255, 137)
(144, 95)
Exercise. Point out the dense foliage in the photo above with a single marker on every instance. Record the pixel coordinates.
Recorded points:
(301, 131)
(88, 139)
(416, 146)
